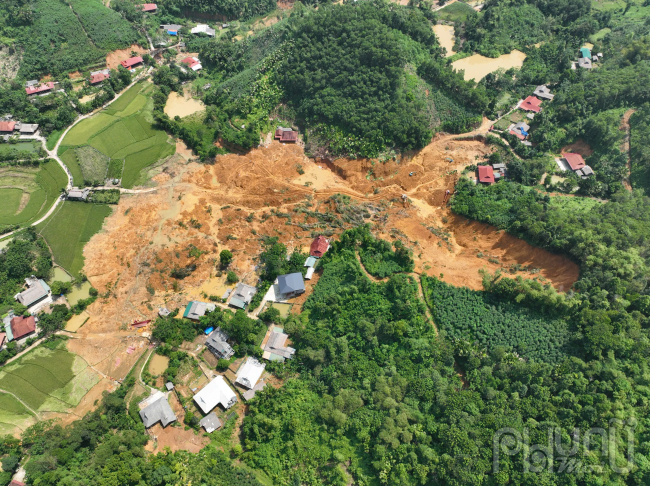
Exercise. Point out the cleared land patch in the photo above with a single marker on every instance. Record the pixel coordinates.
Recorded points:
(69, 229)
(94, 164)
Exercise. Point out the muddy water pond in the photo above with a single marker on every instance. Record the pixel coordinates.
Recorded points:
(60, 275)
(178, 105)
(79, 293)
(445, 35)
(477, 67)
(158, 364)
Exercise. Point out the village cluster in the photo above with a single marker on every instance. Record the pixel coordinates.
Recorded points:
(220, 391)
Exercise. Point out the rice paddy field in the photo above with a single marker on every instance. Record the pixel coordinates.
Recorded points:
(69, 229)
(28, 192)
(47, 379)
(121, 133)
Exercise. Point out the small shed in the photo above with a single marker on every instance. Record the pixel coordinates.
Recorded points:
(210, 422)
(310, 273)
(310, 262)
(169, 385)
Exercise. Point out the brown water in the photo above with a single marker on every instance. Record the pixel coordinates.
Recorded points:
(60, 275)
(477, 67)
(158, 364)
(445, 35)
(178, 105)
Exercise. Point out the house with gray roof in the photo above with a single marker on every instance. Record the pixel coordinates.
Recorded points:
(195, 310)
(276, 348)
(543, 92)
(78, 194)
(291, 284)
(585, 63)
(218, 345)
(156, 410)
(37, 291)
(242, 296)
(210, 422)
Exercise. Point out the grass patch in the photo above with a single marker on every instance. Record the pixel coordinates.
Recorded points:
(126, 98)
(94, 164)
(85, 129)
(456, 12)
(70, 159)
(599, 35)
(115, 169)
(502, 124)
(10, 198)
(53, 138)
(572, 204)
(69, 229)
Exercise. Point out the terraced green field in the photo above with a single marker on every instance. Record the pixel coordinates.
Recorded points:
(42, 185)
(69, 229)
(52, 380)
(120, 132)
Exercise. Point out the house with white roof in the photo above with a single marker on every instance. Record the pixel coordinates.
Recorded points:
(217, 392)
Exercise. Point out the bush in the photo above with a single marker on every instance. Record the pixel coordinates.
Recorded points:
(223, 364)
(232, 277)
(225, 258)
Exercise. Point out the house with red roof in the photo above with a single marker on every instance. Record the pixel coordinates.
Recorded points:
(39, 88)
(289, 136)
(7, 126)
(319, 246)
(486, 174)
(134, 61)
(575, 161)
(193, 63)
(148, 7)
(22, 326)
(532, 103)
(98, 78)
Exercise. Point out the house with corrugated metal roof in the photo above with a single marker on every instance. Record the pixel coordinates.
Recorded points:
(217, 343)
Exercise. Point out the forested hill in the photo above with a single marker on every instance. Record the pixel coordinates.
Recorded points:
(218, 9)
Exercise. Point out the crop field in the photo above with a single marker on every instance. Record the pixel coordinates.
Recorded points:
(121, 134)
(10, 198)
(39, 188)
(69, 229)
(94, 164)
(105, 27)
(44, 379)
(69, 158)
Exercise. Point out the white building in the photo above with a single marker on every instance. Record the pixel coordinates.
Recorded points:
(214, 393)
(250, 373)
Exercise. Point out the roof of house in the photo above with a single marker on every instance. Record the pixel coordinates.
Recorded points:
(277, 345)
(195, 309)
(485, 174)
(238, 303)
(517, 134)
(7, 126)
(158, 411)
(310, 273)
(149, 7)
(575, 161)
(523, 125)
(174, 27)
(214, 393)
(14, 482)
(210, 422)
(249, 394)
(22, 326)
(203, 29)
(319, 246)
(292, 282)
(498, 166)
(191, 62)
(250, 373)
(39, 88)
(310, 262)
(244, 292)
(585, 52)
(37, 291)
(532, 103)
(288, 136)
(28, 127)
(169, 385)
(3, 338)
(543, 92)
(98, 78)
(217, 340)
(132, 61)
(585, 62)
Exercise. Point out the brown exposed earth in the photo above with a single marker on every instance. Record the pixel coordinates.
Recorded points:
(578, 147)
(203, 209)
(114, 58)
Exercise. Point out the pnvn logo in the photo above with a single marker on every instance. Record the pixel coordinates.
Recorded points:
(613, 446)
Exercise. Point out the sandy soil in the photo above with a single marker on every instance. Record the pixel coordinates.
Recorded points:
(75, 75)
(228, 205)
(178, 105)
(578, 147)
(113, 59)
(87, 98)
